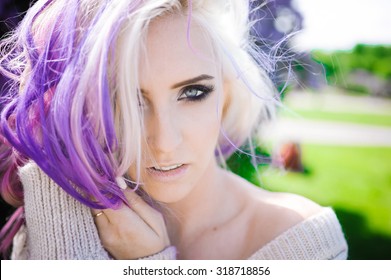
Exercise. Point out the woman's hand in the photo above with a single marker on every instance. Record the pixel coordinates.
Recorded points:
(132, 233)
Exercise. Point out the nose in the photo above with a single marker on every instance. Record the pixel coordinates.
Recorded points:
(164, 132)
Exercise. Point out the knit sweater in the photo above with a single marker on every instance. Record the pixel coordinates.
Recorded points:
(59, 227)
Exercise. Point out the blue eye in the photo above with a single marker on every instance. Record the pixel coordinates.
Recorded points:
(195, 92)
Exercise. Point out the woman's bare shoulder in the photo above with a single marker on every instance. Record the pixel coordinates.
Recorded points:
(270, 214)
(287, 207)
(282, 205)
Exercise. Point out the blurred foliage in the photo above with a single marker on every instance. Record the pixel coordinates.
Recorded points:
(367, 60)
(243, 163)
(273, 23)
(375, 59)
(272, 20)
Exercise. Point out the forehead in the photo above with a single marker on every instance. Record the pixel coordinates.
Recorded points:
(171, 55)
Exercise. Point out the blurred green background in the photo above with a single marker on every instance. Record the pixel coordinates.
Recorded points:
(331, 141)
(351, 174)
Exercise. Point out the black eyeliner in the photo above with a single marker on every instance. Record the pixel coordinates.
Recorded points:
(206, 89)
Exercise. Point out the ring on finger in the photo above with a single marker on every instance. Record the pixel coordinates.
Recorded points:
(97, 214)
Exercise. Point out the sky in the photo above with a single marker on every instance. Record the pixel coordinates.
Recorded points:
(341, 24)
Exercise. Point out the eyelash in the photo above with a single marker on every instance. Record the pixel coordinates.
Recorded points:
(204, 89)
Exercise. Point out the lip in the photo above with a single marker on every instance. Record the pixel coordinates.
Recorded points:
(170, 175)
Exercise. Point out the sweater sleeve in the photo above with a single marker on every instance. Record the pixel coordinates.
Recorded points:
(319, 237)
(167, 254)
(57, 226)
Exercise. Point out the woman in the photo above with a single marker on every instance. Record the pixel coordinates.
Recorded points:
(131, 108)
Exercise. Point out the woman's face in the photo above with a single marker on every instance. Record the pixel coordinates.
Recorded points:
(182, 103)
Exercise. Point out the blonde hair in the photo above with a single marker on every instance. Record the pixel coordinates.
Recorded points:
(251, 94)
(71, 58)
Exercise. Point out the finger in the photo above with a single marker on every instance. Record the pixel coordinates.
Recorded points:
(100, 217)
(121, 215)
(150, 215)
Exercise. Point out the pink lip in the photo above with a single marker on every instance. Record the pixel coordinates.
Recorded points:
(170, 175)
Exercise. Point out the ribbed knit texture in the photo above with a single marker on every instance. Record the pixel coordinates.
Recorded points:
(319, 237)
(59, 227)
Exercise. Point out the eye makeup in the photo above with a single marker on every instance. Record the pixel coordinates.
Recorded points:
(196, 92)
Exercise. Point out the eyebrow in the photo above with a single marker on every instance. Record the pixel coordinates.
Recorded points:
(192, 80)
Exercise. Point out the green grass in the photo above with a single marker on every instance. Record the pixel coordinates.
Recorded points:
(356, 181)
(360, 118)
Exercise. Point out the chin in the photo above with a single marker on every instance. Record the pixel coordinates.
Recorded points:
(166, 193)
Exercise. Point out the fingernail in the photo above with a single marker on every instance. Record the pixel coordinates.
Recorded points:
(121, 183)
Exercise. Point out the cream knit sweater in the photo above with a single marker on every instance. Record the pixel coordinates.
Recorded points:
(59, 227)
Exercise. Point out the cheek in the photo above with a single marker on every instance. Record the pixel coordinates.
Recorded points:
(201, 124)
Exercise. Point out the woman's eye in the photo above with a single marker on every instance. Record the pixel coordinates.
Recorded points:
(195, 92)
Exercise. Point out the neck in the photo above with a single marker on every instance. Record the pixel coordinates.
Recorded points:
(204, 208)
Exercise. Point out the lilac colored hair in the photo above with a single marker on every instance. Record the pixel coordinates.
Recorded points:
(65, 110)
(47, 117)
